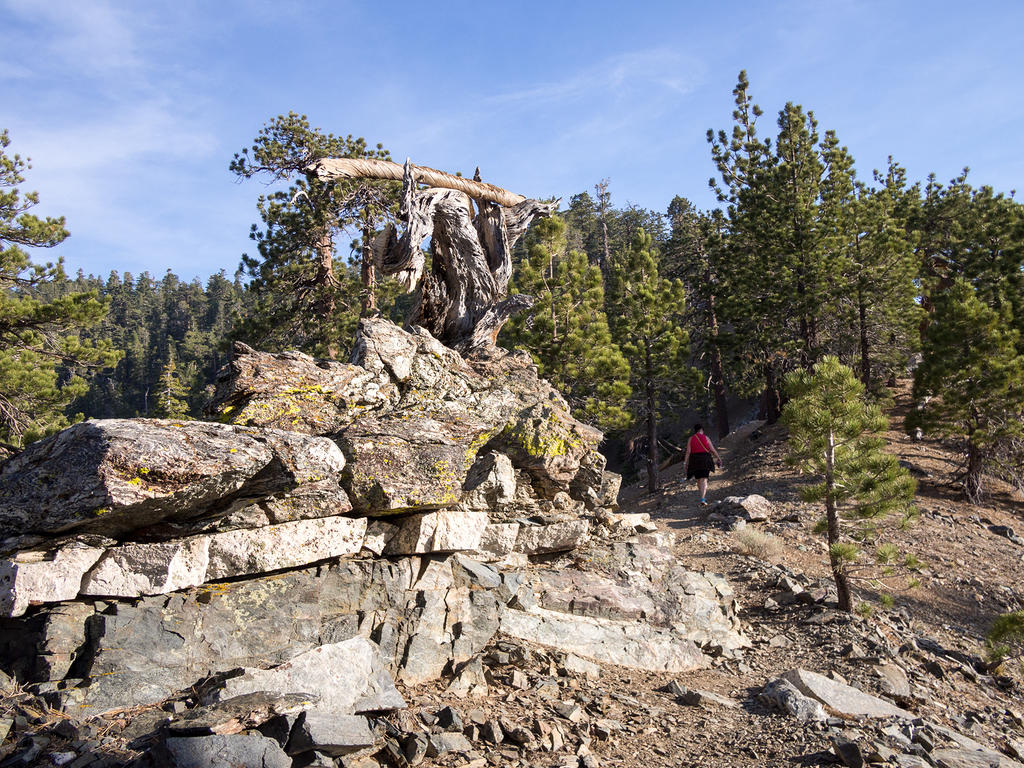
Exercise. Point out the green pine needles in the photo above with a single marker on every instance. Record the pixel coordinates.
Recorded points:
(566, 331)
(835, 436)
(42, 354)
(647, 313)
(970, 384)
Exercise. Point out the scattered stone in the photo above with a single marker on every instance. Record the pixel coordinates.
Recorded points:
(470, 680)
(570, 711)
(894, 680)
(912, 761)
(247, 749)
(847, 750)
(753, 508)
(698, 698)
(1007, 532)
(330, 733)
(962, 758)
(491, 731)
(842, 699)
(442, 743)
(787, 697)
(449, 719)
(237, 714)
(573, 664)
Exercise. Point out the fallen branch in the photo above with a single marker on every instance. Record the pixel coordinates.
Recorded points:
(329, 169)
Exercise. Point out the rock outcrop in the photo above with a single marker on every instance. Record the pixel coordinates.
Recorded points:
(343, 525)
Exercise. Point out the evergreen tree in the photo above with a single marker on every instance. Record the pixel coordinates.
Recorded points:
(647, 313)
(970, 384)
(566, 330)
(171, 394)
(974, 234)
(757, 290)
(836, 437)
(302, 297)
(873, 269)
(41, 354)
(693, 254)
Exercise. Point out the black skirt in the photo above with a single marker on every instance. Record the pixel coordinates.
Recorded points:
(700, 465)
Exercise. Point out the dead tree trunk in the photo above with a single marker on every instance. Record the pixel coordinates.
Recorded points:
(463, 295)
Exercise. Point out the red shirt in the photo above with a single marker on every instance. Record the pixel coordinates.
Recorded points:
(700, 444)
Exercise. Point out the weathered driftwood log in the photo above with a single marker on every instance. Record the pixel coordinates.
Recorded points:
(355, 168)
(462, 297)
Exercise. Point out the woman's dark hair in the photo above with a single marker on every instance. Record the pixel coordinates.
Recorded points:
(697, 427)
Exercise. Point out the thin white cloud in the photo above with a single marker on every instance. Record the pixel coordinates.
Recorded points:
(617, 76)
(94, 37)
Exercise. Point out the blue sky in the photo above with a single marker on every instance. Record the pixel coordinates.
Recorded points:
(131, 111)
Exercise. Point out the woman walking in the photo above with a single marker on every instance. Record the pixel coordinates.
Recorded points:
(699, 461)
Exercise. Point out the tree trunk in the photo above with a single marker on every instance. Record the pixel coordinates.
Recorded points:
(606, 259)
(838, 566)
(973, 483)
(329, 169)
(367, 278)
(773, 398)
(865, 359)
(471, 260)
(717, 375)
(653, 481)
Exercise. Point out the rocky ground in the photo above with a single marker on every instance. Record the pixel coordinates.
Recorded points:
(933, 633)
(528, 706)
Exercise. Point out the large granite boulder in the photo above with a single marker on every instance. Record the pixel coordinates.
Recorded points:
(414, 436)
(294, 392)
(120, 475)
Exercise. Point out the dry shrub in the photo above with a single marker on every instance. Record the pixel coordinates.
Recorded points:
(750, 541)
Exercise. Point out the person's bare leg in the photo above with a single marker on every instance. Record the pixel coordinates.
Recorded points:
(702, 486)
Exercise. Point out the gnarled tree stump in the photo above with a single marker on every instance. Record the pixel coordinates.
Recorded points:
(463, 297)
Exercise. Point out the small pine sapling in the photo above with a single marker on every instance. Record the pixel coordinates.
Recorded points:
(835, 436)
(1006, 638)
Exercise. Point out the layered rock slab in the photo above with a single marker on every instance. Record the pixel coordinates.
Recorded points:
(132, 570)
(346, 678)
(294, 392)
(149, 569)
(119, 475)
(626, 644)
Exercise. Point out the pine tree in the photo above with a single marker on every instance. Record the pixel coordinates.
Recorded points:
(693, 254)
(975, 234)
(836, 437)
(42, 356)
(566, 330)
(757, 290)
(647, 313)
(970, 384)
(171, 394)
(872, 266)
(302, 296)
